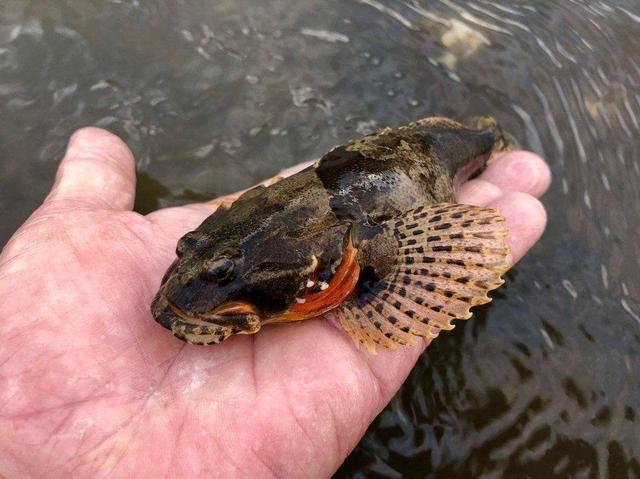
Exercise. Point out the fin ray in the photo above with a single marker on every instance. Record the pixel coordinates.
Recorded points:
(449, 256)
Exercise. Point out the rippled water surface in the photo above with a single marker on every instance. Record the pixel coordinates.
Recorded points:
(215, 96)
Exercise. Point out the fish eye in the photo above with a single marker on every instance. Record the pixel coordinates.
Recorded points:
(186, 243)
(217, 270)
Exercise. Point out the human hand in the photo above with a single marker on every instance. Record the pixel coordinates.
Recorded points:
(91, 386)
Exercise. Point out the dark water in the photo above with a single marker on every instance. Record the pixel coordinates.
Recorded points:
(215, 96)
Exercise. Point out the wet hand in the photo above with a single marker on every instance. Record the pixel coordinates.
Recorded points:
(91, 386)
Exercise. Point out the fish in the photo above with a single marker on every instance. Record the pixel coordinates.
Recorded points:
(369, 235)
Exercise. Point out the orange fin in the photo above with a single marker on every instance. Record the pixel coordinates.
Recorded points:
(449, 257)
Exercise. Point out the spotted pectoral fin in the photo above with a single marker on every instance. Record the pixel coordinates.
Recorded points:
(448, 257)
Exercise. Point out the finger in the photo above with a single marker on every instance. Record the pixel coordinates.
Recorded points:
(295, 168)
(178, 220)
(478, 192)
(97, 171)
(526, 220)
(513, 171)
(519, 171)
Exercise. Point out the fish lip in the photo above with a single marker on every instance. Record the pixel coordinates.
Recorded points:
(243, 320)
(232, 309)
(221, 316)
(162, 313)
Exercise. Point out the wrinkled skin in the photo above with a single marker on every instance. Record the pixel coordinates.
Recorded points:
(91, 386)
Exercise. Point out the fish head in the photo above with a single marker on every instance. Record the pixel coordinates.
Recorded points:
(215, 289)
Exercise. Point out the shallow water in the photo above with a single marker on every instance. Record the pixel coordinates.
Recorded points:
(215, 96)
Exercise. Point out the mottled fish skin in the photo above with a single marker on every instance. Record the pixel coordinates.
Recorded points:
(273, 241)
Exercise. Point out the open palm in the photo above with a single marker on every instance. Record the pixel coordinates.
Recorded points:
(91, 386)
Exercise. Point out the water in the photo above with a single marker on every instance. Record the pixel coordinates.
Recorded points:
(215, 96)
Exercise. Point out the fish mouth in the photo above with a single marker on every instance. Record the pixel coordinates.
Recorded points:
(315, 304)
(208, 328)
(470, 170)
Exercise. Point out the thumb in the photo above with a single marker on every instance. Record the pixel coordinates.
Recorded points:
(97, 171)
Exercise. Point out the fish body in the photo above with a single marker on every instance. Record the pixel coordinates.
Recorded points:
(370, 233)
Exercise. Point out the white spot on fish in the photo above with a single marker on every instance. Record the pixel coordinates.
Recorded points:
(323, 285)
(310, 283)
(301, 300)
